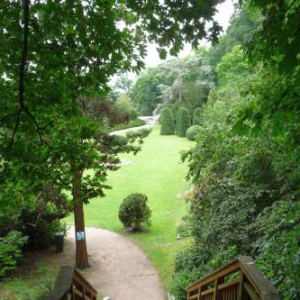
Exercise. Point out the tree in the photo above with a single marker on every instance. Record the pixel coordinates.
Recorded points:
(54, 54)
(167, 122)
(197, 116)
(187, 81)
(145, 92)
(124, 84)
(178, 119)
(184, 122)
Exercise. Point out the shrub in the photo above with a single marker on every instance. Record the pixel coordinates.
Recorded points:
(184, 122)
(134, 212)
(167, 122)
(10, 251)
(197, 116)
(192, 132)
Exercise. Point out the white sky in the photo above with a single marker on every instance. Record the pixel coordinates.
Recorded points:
(226, 10)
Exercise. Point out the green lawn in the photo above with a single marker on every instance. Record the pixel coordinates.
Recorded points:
(157, 172)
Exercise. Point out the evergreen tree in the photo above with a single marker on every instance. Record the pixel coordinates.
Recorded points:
(178, 116)
(167, 122)
(184, 122)
(197, 116)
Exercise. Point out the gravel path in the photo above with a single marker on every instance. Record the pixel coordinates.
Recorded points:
(119, 269)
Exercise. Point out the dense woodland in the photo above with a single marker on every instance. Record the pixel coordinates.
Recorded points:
(242, 93)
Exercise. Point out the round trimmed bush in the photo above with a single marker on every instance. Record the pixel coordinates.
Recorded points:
(197, 116)
(134, 211)
(192, 132)
(167, 122)
(184, 122)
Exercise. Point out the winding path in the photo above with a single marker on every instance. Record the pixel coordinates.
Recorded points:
(119, 269)
(149, 122)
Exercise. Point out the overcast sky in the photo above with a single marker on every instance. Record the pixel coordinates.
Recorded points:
(226, 9)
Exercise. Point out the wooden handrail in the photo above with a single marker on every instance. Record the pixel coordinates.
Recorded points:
(71, 285)
(248, 283)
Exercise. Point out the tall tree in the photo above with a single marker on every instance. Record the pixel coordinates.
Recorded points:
(54, 53)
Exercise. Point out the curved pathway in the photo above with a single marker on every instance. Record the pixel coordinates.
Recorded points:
(150, 122)
(119, 269)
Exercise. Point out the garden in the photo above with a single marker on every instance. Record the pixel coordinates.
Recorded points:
(216, 178)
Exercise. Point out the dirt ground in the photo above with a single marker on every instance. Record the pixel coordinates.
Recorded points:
(119, 269)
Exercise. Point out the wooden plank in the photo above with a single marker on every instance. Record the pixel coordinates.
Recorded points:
(240, 289)
(78, 277)
(230, 283)
(62, 284)
(209, 291)
(221, 272)
(77, 292)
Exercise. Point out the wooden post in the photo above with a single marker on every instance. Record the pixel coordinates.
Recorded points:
(217, 282)
(240, 288)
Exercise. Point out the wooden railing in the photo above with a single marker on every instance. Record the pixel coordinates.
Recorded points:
(71, 285)
(239, 280)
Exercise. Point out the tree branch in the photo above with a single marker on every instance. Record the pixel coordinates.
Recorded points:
(26, 4)
(23, 108)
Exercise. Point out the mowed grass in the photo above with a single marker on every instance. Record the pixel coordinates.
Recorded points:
(157, 172)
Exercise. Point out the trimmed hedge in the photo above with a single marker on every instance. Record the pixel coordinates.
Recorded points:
(184, 122)
(192, 132)
(197, 116)
(178, 114)
(167, 122)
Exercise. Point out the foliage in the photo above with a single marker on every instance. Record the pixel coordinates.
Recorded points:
(193, 132)
(11, 251)
(277, 248)
(184, 122)
(125, 106)
(243, 24)
(134, 211)
(145, 92)
(244, 164)
(167, 122)
(276, 42)
(175, 83)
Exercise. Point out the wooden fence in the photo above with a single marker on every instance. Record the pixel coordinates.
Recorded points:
(239, 280)
(71, 285)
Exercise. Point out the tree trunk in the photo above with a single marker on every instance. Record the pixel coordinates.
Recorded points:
(81, 248)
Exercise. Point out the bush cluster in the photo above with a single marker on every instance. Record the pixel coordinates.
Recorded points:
(11, 251)
(134, 212)
(31, 225)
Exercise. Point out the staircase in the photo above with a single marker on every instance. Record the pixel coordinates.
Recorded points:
(71, 285)
(238, 280)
